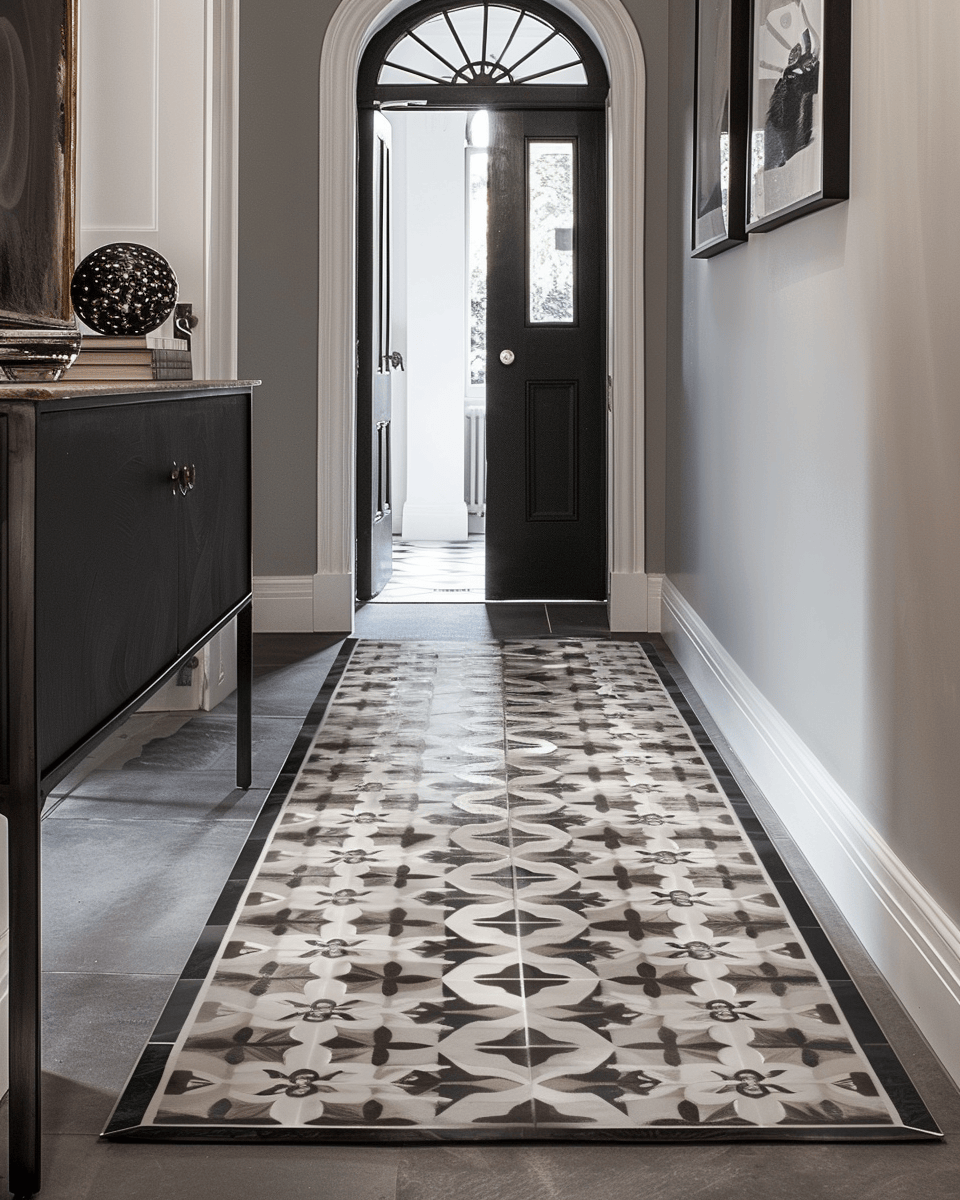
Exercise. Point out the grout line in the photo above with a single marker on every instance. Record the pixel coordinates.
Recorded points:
(513, 866)
(174, 974)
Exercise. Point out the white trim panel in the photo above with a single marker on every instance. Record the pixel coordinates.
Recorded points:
(283, 603)
(120, 78)
(913, 941)
(334, 603)
(4, 1008)
(634, 602)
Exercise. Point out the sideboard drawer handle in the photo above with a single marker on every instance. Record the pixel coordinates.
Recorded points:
(184, 477)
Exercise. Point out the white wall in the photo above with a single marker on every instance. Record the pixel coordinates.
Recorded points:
(141, 140)
(433, 310)
(814, 496)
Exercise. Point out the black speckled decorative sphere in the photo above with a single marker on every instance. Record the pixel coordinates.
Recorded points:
(124, 288)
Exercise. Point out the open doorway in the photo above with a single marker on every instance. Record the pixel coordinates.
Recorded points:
(435, 190)
(439, 279)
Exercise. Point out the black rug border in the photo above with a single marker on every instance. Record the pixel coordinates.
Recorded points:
(124, 1123)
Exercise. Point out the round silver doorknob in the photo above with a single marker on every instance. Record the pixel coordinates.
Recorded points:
(507, 357)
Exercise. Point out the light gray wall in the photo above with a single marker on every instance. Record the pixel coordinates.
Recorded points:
(814, 440)
(278, 315)
(279, 73)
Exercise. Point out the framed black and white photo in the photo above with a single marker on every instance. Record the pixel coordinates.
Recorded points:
(799, 109)
(720, 126)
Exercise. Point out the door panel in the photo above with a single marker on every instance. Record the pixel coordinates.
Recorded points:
(546, 407)
(106, 564)
(551, 445)
(374, 362)
(213, 436)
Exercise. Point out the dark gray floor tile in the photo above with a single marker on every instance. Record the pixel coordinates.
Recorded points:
(412, 622)
(280, 649)
(579, 620)
(94, 1027)
(81, 1168)
(123, 744)
(131, 896)
(208, 742)
(161, 795)
(707, 1172)
(287, 689)
(518, 620)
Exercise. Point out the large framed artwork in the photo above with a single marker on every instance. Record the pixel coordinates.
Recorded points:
(37, 173)
(799, 109)
(720, 126)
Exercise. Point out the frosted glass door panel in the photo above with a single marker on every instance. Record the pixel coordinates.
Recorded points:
(551, 266)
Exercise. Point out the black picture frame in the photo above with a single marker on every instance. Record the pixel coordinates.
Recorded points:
(721, 94)
(799, 115)
(38, 40)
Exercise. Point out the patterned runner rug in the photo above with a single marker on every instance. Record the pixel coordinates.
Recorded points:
(513, 893)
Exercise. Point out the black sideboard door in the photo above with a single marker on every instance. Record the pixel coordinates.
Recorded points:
(106, 563)
(212, 438)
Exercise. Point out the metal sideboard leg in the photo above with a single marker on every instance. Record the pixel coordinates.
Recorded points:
(24, 1101)
(21, 802)
(245, 696)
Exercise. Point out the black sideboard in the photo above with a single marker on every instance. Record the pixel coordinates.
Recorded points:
(125, 546)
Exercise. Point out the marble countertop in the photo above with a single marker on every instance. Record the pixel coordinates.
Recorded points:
(81, 389)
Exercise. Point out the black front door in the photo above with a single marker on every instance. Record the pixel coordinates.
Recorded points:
(375, 361)
(546, 375)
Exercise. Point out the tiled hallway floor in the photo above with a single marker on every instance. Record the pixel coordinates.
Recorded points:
(436, 573)
(134, 858)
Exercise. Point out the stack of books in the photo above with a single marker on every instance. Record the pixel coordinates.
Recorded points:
(147, 357)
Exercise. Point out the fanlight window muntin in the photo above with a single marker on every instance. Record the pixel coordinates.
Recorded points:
(483, 44)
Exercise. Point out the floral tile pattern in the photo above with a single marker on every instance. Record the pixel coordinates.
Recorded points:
(507, 897)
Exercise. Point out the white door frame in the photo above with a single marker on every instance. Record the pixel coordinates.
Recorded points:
(634, 599)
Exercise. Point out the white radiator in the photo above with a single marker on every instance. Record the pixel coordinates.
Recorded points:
(475, 459)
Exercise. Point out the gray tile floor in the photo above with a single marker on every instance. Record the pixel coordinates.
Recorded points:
(137, 844)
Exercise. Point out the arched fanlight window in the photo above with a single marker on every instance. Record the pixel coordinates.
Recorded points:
(467, 55)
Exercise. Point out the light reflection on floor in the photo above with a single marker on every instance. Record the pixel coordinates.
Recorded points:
(436, 573)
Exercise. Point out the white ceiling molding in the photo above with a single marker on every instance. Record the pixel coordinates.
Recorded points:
(352, 25)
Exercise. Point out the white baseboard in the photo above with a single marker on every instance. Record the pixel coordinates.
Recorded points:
(303, 603)
(283, 603)
(334, 603)
(4, 1009)
(435, 522)
(634, 602)
(913, 941)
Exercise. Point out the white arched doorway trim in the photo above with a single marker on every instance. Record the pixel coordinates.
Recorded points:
(634, 599)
